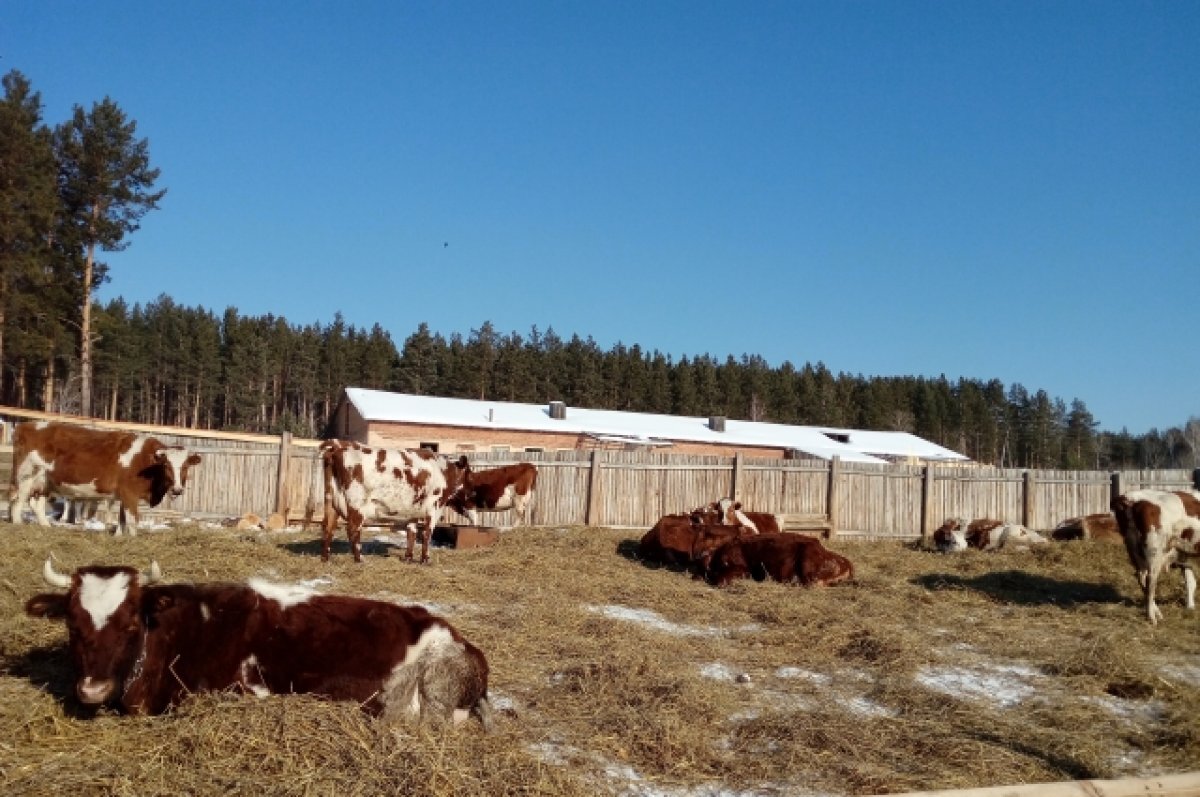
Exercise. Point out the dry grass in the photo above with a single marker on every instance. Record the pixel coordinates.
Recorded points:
(929, 671)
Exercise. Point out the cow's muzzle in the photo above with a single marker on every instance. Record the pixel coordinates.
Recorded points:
(176, 492)
(92, 691)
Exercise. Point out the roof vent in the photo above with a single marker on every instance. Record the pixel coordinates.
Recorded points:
(716, 423)
(838, 437)
(558, 410)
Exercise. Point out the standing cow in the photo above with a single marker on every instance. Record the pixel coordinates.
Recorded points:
(1161, 529)
(77, 462)
(365, 482)
(497, 490)
(144, 647)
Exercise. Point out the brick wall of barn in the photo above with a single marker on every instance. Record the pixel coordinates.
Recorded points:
(456, 439)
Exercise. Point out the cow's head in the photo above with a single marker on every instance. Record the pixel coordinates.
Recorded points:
(708, 540)
(168, 474)
(105, 624)
(459, 490)
(951, 535)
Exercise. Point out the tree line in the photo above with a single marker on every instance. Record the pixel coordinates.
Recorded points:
(72, 192)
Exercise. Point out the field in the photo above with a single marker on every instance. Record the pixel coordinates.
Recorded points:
(929, 671)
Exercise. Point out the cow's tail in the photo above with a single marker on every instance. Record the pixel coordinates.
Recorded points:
(482, 711)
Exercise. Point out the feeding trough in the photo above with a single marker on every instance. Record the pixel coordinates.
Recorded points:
(466, 536)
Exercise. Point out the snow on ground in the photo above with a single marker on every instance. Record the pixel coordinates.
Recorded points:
(656, 621)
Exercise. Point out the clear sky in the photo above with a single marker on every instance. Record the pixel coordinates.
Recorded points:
(991, 190)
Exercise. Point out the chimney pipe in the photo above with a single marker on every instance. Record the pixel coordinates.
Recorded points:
(716, 423)
(558, 410)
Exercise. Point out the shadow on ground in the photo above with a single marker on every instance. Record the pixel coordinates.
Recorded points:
(1024, 588)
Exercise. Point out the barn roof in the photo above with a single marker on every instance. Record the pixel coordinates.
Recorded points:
(852, 445)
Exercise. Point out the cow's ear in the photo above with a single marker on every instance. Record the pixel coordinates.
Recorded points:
(160, 454)
(194, 459)
(48, 605)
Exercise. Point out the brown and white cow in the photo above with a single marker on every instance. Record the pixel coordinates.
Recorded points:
(669, 542)
(984, 534)
(1161, 529)
(1100, 526)
(143, 647)
(77, 462)
(786, 558)
(728, 512)
(497, 490)
(366, 482)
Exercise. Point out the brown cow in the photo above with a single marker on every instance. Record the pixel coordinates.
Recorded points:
(786, 558)
(671, 541)
(364, 482)
(77, 462)
(497, 490)
(1161, 529)
(143, 648)
(728, 512)
(1101, 526)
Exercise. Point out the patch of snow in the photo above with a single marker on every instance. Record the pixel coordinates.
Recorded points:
(719, 672)
(1187, 672)
(865, 707)
(1137, 711)
(1004, 685)
(819, 678)
(657, 622)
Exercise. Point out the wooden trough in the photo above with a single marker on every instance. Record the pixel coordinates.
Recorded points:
(466, 536)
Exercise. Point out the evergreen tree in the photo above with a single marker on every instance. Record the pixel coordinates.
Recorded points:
(106, 186)
(28, 202)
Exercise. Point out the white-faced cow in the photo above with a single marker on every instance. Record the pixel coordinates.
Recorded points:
(728, 512)
(77, 462)
(497, 490)
(983, 534)
(1161, 529)
(366, 482)
(143, 647)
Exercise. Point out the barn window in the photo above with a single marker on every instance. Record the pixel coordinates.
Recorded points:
(499, 449)
(431, 446)
(533, 450)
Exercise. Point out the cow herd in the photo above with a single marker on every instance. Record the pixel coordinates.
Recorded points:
(721, 542)
(143, 646)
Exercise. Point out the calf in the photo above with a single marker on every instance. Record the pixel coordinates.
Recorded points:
(983, 534)
(497, 490)
(363, 483)
(786, 558)
(1101, 526)
(728, 512)
(77, 462)
(670, 541)
(143, 647)
(1160, 529)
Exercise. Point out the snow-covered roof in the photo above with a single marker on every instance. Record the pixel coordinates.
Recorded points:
(852, 445)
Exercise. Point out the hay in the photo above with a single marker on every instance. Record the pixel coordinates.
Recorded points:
(609, 677)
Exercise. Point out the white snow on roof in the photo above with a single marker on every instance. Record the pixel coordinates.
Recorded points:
(651, 429)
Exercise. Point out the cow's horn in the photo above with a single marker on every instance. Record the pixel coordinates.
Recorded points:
(53, 577)
(154, 573)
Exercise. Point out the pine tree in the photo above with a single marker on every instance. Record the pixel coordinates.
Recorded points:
(106, 186)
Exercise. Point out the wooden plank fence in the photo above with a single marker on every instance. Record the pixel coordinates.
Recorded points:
(243, 473)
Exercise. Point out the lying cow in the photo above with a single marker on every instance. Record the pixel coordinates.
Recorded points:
(144, 648)
(983, 534)
(77, 462)
(1101, 526)
(670, 541)
(728, 512)
(1161, 529)
(364, 482)
(497, 490)
(786, 558)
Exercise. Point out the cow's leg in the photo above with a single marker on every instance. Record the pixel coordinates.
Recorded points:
(1156, 562)
(328, 524)
(410, 539)
(38, 505)
(1189, 585)
(354, 524)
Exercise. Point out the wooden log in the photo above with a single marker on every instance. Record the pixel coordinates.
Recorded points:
(1186, 784)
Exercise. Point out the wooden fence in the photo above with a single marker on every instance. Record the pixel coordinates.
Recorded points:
(259, 473)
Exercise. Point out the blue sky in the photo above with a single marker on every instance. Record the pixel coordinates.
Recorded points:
(991, 190)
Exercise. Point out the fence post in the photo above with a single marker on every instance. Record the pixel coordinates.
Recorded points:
(1116, 486)
(1028, 501)
(926, 502)
(281, 475)
(738, 462)
(593, 504)
(831, 497)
